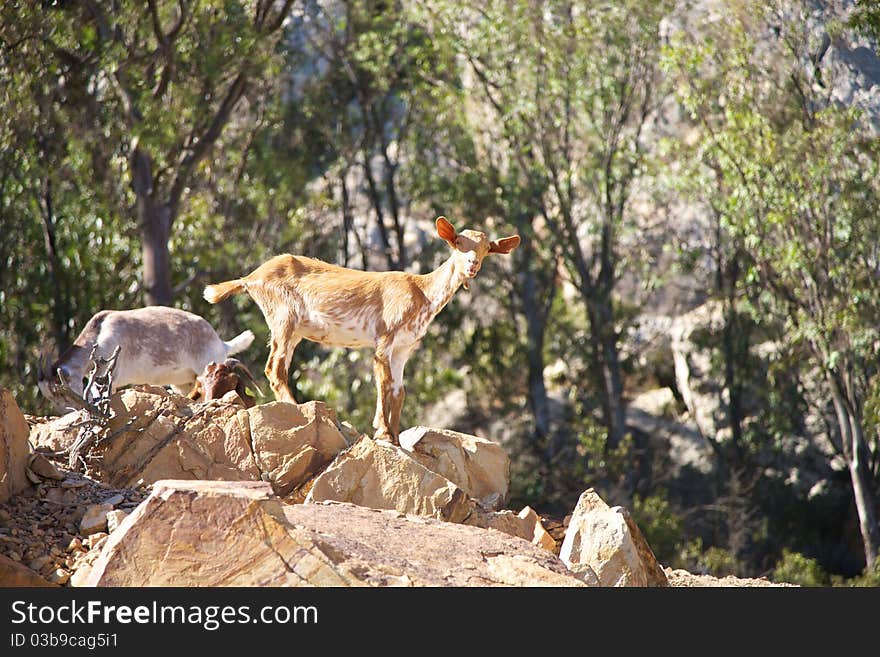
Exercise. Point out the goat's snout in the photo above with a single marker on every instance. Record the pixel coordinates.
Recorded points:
(473, 267)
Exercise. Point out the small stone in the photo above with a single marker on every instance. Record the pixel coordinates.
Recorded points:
(43, 467)
(38, 563)
(15, 556)
(115, 500)
(96, 540)
(114, 518)
(73, 483)
(4, 516)
(59, 576)
(75, 545)
(94, 519)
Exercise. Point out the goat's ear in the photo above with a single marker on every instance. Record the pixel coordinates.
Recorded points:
(505, 244)
(446, 231)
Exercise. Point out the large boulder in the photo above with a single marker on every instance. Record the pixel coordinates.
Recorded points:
(290, 442)
(155, 435)
(14, 447)
(239, 534)
(480, 467)
(14, 574)
(380, 475)
(608, 541)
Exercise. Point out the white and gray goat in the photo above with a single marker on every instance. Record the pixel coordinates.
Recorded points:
(157, 345)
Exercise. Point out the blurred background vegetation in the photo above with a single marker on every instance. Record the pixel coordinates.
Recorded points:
(690, 324)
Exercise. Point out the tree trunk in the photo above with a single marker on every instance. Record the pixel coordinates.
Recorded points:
(59, 307)
(155, 224)
(855, 452)
(155, 233)
(376, 200)
(612, 379)
(536, 323)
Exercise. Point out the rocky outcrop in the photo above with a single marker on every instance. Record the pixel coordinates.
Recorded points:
(526, 524)
(14, 574)
(14, 447)
(480, 467)
(608, 541)
(196, 533)
(43, 529)
(379, 475)
(291, 443)
(155, 435)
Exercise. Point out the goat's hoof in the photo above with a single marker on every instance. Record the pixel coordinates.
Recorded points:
(386, 436)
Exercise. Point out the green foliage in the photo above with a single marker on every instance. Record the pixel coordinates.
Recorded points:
(661, 525)
(796, 568)
(500, 116)
(869, 578)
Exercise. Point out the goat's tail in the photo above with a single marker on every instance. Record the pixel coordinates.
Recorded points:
(239, 343)
(222, 291)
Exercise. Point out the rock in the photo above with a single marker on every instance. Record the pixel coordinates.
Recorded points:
(96, 540)
(682, 441)
(75, 545)
(585, 573)
(14, 447)
(39, 563)
(382, 476)
(59, 576)
(526, 525)
(239, 534)
(607, 540)
(82, 567)
(43, 467)
(167, 437)
(59, 433)
(291, 442)
(114, 518)
(95, 519)
(13, 574)
(478, 466)
(160, 435)
(388, 548)
(115, 500)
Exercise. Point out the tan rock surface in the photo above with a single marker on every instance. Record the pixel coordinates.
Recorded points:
(526, 524)
(382, 476)
(480, 467)
(14, 574)
(391, 548)
(601, 537)
(291, 443)
(14, 447)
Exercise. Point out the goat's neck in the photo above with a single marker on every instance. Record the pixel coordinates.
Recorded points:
(442, 283)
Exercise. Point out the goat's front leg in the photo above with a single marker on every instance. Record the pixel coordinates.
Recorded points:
(398, 392)
(382, 374)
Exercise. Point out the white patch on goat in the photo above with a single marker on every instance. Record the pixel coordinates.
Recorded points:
(354, 329)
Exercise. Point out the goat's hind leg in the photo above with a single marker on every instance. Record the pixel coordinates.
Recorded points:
(278, 364)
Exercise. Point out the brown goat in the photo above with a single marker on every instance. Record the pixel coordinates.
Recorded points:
(389, 311)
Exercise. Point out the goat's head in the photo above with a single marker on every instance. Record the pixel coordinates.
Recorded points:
(53, 374)
(471, 246)
(231, 374)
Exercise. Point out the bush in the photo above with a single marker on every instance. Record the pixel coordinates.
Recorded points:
(796, 568)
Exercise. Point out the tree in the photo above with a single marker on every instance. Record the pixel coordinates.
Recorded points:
(571, 88)
(800, 193)
(164, 80)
